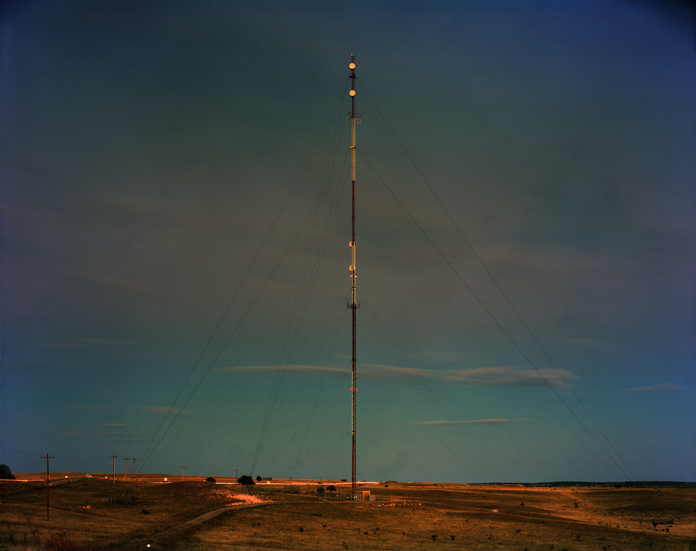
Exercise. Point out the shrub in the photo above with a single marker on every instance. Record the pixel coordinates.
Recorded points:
(5, 472)
(320, 490)
(331, 488)
(60, 542)
(258, 478)
(245, 479)
(210, 479)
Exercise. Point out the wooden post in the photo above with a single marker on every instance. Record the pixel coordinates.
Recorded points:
(48, 487)
(114, 466)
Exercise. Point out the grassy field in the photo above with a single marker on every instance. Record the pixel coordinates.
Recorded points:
(414, 516)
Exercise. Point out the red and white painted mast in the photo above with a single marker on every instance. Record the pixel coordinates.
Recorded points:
(353, 304)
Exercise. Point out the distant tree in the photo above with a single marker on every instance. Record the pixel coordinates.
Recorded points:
(331, 488)
(210, 479)
(5, 472)
(320, 490)
(245, 479)
(258, 478)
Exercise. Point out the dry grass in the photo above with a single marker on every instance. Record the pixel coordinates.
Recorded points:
(81, 513)
(457, 517)
(419, 517)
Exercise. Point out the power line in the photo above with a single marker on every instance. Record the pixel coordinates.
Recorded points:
(498, 362)
(236, 362)
(238, 288)
(286, 353)
(490, 314)
(431, 394)
(490, 275)
(287, 361)
(306, 284)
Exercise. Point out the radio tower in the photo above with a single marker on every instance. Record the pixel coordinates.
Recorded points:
(353, 305)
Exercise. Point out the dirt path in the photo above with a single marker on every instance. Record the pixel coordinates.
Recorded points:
(207, 516)
(186, 525)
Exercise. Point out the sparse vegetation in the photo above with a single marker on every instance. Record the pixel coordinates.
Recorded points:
(61, 542)
(210, 479)
(476, 518)
(81, 518)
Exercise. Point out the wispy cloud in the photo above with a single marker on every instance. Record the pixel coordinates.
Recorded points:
(38, 363)
(106, 436)
(75, 344)
(662, 387)
(96, 408)
(585, 343)
(483, 376)
(472, 422)
(154, 409)
(120, 284)
(165, 409)
(530, 260)
(439, 357)
(124, 440)
(265, 369)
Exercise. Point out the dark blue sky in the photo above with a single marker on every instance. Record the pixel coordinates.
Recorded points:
(159, 164)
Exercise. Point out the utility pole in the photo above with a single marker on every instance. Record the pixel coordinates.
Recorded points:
(125, 474)
(182, 473)
(353, 304)
(114, 466)
(133, 465)
(48, 487)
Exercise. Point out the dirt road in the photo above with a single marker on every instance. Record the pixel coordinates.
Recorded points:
(142, 544)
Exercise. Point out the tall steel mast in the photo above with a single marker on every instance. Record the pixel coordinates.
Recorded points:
(353, 305)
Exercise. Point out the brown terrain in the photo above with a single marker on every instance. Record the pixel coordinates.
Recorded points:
(93, 513)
